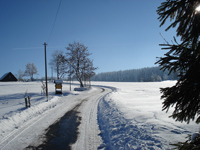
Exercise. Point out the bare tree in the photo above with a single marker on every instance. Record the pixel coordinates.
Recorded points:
(20, 75)
(78, 59)
(30, 70)
(89, 70)
(58, 63)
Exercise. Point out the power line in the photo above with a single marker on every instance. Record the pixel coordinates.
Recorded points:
(54, 21)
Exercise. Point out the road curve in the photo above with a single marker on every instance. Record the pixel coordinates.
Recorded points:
(89, 138)
(84, 110)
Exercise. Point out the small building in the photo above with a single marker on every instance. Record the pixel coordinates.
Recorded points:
(8, 77)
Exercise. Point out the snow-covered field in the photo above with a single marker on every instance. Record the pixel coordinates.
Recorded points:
(12, 95)
(132, 115)
(129, 117)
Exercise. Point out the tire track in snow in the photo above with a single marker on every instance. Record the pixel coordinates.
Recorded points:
(90, 138)
(18, 131)
(80, 122)
(63, 132)
(85, 107)
(30, 132)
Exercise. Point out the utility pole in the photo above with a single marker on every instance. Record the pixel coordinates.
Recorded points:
(52, 74)
(70, 78)
(46, 69)
(70, 75)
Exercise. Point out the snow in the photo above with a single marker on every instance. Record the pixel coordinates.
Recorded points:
(58, 81)
(134, 117)
(128, 115)
(21, 127)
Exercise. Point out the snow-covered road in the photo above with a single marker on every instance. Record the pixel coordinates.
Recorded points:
(32, 132)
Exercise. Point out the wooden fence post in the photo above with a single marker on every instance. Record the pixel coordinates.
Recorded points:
(26, 102)
(29, 101)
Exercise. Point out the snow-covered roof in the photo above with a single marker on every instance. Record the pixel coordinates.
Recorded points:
(58, 81)
(4, 76)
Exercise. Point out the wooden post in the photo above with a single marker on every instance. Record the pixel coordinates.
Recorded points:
(29, 101)
(26, 102)
(46, 69)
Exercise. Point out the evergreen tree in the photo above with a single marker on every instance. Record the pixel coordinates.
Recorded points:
(150, 74)
(189, 144)
(183, 58)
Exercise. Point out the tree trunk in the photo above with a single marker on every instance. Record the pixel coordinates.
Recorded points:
(81, 83)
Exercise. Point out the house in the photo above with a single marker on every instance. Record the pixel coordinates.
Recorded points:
(8, 77)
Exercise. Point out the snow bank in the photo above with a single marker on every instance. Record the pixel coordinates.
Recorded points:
(13, 113)
(81, 89)
(18, 119)
(131, 117)
(119, 133)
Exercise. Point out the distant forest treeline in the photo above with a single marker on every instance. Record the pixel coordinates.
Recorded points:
(149, 74)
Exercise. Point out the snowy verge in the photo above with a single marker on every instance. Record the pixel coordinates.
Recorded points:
(18, 119)
(81, 89)
(118, 133)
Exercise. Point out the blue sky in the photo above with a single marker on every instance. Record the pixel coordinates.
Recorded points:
(120, 34)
